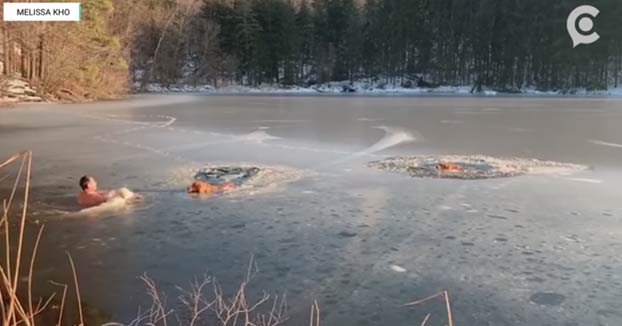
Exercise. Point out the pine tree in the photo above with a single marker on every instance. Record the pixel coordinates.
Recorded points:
(246, 32)
(487, 43)
(304, 40)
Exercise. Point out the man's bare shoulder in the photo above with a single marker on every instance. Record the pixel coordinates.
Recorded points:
(87, 199)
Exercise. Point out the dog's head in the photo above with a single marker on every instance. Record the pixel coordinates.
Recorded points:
(195, 187)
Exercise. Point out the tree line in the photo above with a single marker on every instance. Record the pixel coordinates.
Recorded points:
(503, 44)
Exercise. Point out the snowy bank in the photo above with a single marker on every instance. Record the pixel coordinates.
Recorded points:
(368, 88)
(13, 90)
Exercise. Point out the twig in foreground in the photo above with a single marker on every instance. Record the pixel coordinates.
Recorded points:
(445, 295)
(75, 280)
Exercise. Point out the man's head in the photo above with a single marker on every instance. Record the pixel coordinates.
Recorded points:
(88, 183)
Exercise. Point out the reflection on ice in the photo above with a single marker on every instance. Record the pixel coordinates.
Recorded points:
(604, 143)
(258, 136)
(393, 136)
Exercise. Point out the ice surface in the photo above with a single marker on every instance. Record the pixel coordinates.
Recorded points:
(533, 250)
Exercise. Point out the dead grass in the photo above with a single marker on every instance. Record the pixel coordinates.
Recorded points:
(14, 311)
(17, 310)
(205, 303)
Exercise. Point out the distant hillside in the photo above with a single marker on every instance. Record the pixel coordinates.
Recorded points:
(505, 46)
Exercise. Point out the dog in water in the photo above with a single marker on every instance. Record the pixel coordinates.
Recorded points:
(449, 167)
(202, 187)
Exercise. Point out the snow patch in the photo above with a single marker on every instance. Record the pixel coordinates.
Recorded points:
(13, 90)
(393, 136)
(604, 143)
(398, 269)
(259, 136)
(585, 180)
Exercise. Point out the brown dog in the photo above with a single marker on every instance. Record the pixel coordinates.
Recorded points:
(448, 167)
(201, 187)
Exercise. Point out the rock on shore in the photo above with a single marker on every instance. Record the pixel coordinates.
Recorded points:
(15, 90)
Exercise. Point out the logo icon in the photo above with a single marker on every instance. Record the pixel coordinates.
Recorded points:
(580, 25)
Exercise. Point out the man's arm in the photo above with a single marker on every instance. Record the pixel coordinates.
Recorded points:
(106, 193)
(98, 199)
(90, 200)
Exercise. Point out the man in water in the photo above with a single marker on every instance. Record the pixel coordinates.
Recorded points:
(89, 196)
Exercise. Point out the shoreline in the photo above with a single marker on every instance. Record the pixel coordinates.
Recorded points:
(360, 89)
(258, 92)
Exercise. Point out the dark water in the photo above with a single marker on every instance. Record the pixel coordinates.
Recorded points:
(530, 250)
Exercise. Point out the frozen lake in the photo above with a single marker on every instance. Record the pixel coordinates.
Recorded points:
(528, 250)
